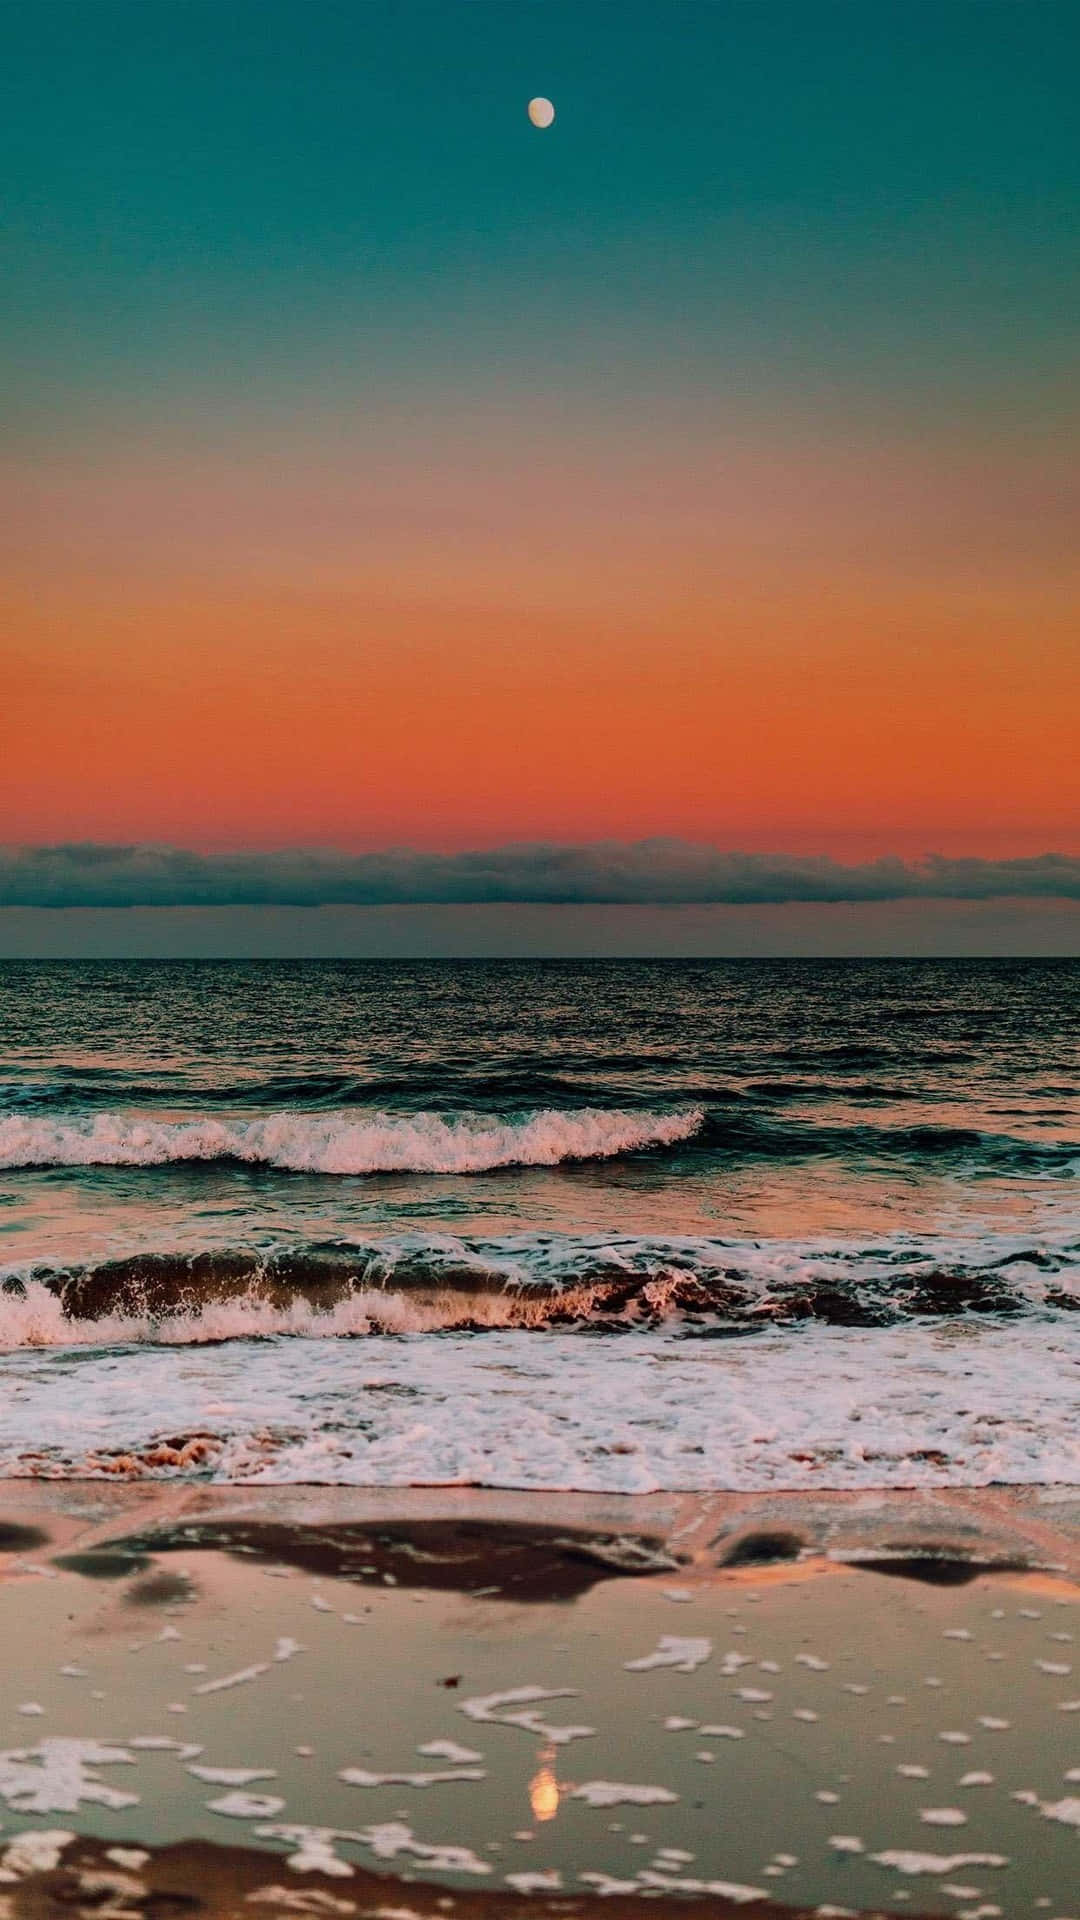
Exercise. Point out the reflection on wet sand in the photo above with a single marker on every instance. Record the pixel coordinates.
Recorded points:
(249, 1719)
(545, 1790)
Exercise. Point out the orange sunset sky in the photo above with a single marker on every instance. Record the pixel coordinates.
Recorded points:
(746, 642)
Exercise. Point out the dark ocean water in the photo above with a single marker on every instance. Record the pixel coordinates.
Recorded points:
(585, 1173)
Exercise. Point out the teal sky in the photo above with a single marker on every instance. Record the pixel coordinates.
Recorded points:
(872, 200)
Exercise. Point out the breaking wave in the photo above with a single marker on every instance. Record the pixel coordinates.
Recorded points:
(340, 1143)
(36, 1316)
(399, 1284)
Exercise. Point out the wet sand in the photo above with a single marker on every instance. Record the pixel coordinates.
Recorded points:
(281, 1700)
(123, 1883)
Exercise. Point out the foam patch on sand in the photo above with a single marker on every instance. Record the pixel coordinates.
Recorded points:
(903, 1860)
(516, 1708)
(389, 1839)
(314, 1901)
(649, 1882)
(38, 1851)
(57, 1776)
(540, 1882)
(684, 1655)
(1066, 1812)
(450, 1750)
(238, 1679)
(232, 1776)
(314, 1849)
(247, 1806)
(618, 1793)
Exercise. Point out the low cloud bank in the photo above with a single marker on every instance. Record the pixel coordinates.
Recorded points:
(606, 873)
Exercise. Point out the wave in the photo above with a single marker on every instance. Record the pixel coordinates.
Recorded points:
(412, 1284)
(379, 1140)
(965, 1149)
(521, 1088)
(340, 1143)
(87, 1090)
(521, 1084)
(39, 1317)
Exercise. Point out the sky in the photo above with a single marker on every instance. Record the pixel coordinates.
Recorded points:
(380, 473)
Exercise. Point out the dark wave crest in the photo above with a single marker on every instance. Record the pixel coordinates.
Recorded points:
(713, 1288)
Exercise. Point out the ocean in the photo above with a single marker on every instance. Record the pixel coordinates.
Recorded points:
(608, 1226)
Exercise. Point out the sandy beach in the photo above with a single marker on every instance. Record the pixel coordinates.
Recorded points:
(409, 1702)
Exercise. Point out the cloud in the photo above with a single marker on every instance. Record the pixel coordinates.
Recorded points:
(642, 873)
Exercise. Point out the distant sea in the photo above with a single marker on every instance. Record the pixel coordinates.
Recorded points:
(622, 1226)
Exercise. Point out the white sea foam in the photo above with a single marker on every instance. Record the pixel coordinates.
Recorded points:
(59, 1776)
(312, 1900)
(234, 1679)
(649, 1881)
(314, 1848)
(33, 1852)
(542, 1882)
(348, 1142)
(905, 1860)
(519, 1707)
(451, 1750)
(618, 1793)
(232, 1776)
(671, 1651)
(956, 1404)
(388, 1839)
(247, 1806)
(1067, 1811)
(35, 1317)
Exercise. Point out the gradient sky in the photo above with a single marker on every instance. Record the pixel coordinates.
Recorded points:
(378, 470)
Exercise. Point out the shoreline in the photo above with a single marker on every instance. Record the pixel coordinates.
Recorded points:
(1033, 1528)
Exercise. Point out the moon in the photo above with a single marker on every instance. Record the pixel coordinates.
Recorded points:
(541, 111)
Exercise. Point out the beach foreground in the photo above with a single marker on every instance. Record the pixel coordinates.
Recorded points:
(392, 1702)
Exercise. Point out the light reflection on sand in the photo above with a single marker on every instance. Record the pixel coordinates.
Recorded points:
(545, 1790)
